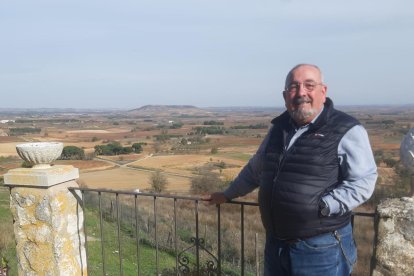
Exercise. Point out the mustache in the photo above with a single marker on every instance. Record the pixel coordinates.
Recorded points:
(301, 100)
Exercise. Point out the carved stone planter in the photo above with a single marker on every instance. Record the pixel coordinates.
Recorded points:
(41, 154)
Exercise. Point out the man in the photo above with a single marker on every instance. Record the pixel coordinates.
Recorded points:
(314, 166)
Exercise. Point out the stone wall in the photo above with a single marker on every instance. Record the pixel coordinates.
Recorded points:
(394, 250)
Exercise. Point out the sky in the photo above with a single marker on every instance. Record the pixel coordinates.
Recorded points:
(207, 53)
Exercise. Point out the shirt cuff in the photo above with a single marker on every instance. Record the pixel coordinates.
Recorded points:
(229, 194)
(333, 204)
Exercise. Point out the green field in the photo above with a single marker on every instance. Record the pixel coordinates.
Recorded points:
(7, 241)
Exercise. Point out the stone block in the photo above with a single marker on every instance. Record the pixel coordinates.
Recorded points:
(394, 251)
(49, 230)
(40, 177)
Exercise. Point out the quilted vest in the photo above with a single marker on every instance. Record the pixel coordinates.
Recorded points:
(294, 180)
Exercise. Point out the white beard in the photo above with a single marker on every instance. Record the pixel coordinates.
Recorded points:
(301, 115)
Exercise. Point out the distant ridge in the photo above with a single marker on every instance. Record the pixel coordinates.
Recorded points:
(162, 110)
(163, 107)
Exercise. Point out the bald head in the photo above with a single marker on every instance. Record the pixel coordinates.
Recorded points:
(304, 93)
(290, 74)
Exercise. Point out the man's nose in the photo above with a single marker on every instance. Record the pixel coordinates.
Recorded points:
(301, 91)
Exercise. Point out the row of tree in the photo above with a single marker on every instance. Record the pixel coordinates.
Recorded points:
(113, 148)
(24, 130)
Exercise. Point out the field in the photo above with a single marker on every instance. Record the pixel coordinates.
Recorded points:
(130, 179)
(186, 143)
(8, 149)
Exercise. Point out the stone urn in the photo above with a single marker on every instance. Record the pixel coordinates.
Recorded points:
(407, 155)
(40, 154)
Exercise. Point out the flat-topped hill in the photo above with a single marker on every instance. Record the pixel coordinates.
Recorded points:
(160, 110)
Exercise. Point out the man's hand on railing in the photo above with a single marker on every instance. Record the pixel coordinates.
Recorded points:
(215, 198)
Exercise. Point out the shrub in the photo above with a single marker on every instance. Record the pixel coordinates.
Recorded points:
(158, 182)
(390, 162)
(212, 122)
(176, 125)
(206, 182)
(26, 164)
(137, 147)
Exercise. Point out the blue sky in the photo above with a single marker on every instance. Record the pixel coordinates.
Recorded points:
(125, 54)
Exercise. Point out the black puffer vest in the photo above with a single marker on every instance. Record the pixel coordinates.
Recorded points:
(293, 181)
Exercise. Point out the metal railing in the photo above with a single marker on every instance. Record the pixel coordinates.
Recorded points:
(107, 205)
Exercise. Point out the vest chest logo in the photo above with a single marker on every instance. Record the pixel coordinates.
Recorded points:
(318, 135)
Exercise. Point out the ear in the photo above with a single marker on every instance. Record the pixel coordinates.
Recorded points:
(284, 95)
(324, 90)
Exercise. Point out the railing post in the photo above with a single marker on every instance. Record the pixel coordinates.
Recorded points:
(48, 221)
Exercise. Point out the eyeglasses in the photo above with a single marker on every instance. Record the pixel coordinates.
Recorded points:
(294, 87)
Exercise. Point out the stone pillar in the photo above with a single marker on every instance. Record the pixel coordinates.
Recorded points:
(394, 248)
(48, 221)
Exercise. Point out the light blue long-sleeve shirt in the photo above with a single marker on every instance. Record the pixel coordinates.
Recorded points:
(357, 166)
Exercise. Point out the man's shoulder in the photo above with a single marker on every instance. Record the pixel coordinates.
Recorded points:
(282, 118)
(338, 116)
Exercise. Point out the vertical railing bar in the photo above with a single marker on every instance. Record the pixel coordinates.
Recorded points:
(102, 236)
(352, 221)
(84, 230)
(242, 238)
(197, 239)
(175, 236)
(218, 240)
(137, 235)
(119, 234)
(256, 250)
(156, 236)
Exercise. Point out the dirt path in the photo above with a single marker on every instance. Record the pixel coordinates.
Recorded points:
(125, 166)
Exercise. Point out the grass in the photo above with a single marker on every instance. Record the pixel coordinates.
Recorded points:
(147, 264)
(236, 155)
(7, 241)
(147, 251)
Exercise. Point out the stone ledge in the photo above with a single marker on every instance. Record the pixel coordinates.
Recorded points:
(41, 177)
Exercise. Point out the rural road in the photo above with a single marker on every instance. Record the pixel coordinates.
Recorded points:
(125, 166)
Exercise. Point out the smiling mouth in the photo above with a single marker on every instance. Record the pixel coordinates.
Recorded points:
(300, 102)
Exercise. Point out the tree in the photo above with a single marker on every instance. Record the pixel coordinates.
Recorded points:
(72, 153)
(137, 147)
(158, 182)
(206, 182)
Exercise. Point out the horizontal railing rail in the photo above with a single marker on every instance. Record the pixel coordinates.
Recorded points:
(195, 257)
